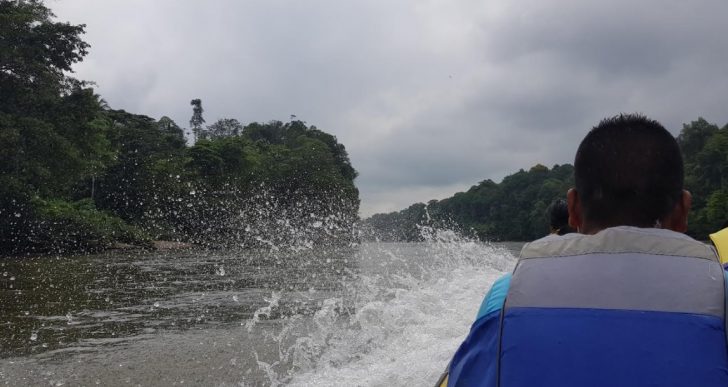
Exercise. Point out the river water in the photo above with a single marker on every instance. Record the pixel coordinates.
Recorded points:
(375, 314)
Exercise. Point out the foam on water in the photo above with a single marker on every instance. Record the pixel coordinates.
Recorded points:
(407, 341)
(401, 320)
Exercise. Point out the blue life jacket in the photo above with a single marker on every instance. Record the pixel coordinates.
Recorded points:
(624, 307)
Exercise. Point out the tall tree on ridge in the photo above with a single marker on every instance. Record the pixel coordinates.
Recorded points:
(196, 121)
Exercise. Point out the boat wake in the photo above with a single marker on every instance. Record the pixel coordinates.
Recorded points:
(398, 320)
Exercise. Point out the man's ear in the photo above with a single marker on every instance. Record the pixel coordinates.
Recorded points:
(575, 217)
(678, 219)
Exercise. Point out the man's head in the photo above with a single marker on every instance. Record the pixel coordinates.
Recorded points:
(628, 171)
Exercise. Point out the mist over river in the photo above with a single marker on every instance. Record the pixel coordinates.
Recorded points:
(373, 314)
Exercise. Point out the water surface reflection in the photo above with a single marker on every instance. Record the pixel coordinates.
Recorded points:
(50, 303)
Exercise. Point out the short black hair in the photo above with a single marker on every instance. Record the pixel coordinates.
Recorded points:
(628, 171)
(558, 213)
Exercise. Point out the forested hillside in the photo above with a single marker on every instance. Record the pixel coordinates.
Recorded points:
(76, 174)
(515, 209)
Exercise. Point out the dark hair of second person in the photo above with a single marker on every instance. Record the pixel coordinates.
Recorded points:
(558, 213)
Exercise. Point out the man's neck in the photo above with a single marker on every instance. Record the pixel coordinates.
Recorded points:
(591, 228)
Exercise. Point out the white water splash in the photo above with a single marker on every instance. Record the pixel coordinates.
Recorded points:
(264, 311)
(408, 339)
(397, 322)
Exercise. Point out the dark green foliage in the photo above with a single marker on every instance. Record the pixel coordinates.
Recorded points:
(145, 171)
(224, 127)
(204, 193)
(398, 226)
(693, 137)
(52, 136)
(77, 175)
(705, 150)
(167, 126)
(515, 209)
(269, 173)
(77, 226)
(34, 53)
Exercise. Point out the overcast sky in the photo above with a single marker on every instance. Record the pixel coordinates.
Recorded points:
(429, 97)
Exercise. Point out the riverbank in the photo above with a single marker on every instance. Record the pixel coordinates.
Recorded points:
(155, 245)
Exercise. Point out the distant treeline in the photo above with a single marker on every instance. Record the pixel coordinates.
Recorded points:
(515, 209)
(511, 210)
(78, 175)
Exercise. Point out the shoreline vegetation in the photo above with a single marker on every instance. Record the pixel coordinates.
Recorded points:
(78, 176)
(515, 209)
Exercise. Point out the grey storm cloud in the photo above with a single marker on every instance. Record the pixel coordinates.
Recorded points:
(428, 97)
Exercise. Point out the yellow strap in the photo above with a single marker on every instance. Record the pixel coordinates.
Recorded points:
(720, 240)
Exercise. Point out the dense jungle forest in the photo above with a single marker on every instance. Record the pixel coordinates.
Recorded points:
(78, 175)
